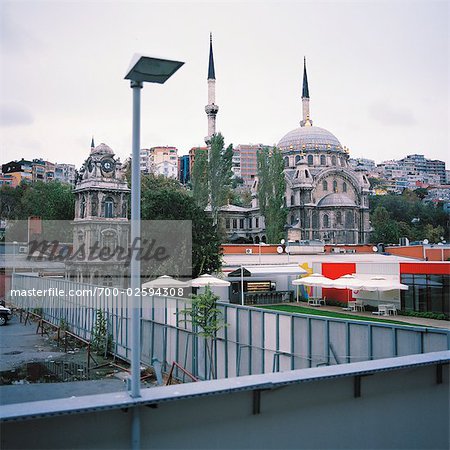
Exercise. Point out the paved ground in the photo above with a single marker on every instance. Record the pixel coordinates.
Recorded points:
(19, 345)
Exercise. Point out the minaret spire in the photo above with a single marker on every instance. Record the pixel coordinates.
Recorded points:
(211, 108)
(305, 98)
(211, 71)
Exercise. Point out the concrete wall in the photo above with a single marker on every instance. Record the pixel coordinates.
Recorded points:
(401, 404)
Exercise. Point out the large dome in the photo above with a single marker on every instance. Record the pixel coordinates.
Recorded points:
(102, 149)
(309, 137)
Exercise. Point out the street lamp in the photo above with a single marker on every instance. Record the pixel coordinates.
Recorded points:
(151, 70)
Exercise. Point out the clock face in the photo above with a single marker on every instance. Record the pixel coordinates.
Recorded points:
(107, 165)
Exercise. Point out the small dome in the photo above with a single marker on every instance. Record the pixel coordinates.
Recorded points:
(335, 200)
(309, 138)
(102, 149)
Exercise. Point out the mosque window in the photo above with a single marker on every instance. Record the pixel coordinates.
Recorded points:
(344, 187)
(306, 173)
(349, 220)
(322, 160)
(109, 207)
(292, 200)
(325, 185)
(333, 160)
(310, 160)
(335, 186)
(342, 162)
(297, 159)
(257, 222)
(326, 221)
(339, 218)
(296, 174)
(286, 162)
(234, 223)
(292, 220)
(315, 220)
(227, 224)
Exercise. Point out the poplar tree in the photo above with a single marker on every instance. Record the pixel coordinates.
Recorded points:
(199, 178)
(271, 192)
(219, 174)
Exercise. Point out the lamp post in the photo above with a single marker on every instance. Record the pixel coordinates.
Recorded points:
(152, 70)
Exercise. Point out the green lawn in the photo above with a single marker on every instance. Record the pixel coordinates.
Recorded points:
(318, 312)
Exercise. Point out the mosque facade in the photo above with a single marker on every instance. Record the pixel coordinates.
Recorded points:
(326, 199)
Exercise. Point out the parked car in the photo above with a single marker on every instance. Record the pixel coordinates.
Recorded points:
(5, 315)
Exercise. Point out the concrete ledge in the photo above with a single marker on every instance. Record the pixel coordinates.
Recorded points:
(154, 396)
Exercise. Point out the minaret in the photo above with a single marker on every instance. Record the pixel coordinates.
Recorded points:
(211, 108)
(305, 98)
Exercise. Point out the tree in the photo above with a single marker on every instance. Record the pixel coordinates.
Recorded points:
(199, 178)
(271, 191)
(165, 199)
(206, 320)
(219, 174)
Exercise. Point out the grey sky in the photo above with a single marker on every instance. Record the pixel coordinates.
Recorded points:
(378, 74)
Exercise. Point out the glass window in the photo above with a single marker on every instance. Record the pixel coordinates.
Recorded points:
(326, 221)
(292, 200)
(297, 159)
(286, 162)
(109, 207)
(257, 222)
(333, 160)
(335, 186)
(344, 187)
(323, 160)
(310, 160)
(339, 218)
(234, 223)
(241, 223)
(227, 224)
(325, 185)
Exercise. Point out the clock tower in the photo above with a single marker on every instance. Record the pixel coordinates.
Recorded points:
(101, 220)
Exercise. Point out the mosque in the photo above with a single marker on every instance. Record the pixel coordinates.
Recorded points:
(326, 199)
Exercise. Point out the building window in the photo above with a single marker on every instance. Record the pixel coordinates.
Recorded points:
(256, 222)
(335, 186)
(227, 224)
(323, 160)
(344, 187)
(292, 220)
(241, 224)
(286, 162)
(333, 160)
(339, 218)
(109, 207)
(425, 293)
(315, 220)
(292, 200)
(297, 159)
(326, 221)
(306, 174)
(82, 207)
(310, 160)
(234, 223)
(325, 185)
(349, 222)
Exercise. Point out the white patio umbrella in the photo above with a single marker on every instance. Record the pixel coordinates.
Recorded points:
(380, 284)
(347, 282)
(165, 281)
(313, 280)
(208, 280)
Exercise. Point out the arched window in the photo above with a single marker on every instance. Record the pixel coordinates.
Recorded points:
(325, 185)
(286, 162)
(82, 207)
(109, 207)
(326, 221)
(306, 173)
(339, 218)
(292, 220)
(349, 222)
(310, 160)
(323, 160)
(333, 160)
(297, 159)
(342, 162)
(344, 187)
(315, 220)
(292, 200)
(335, 188)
